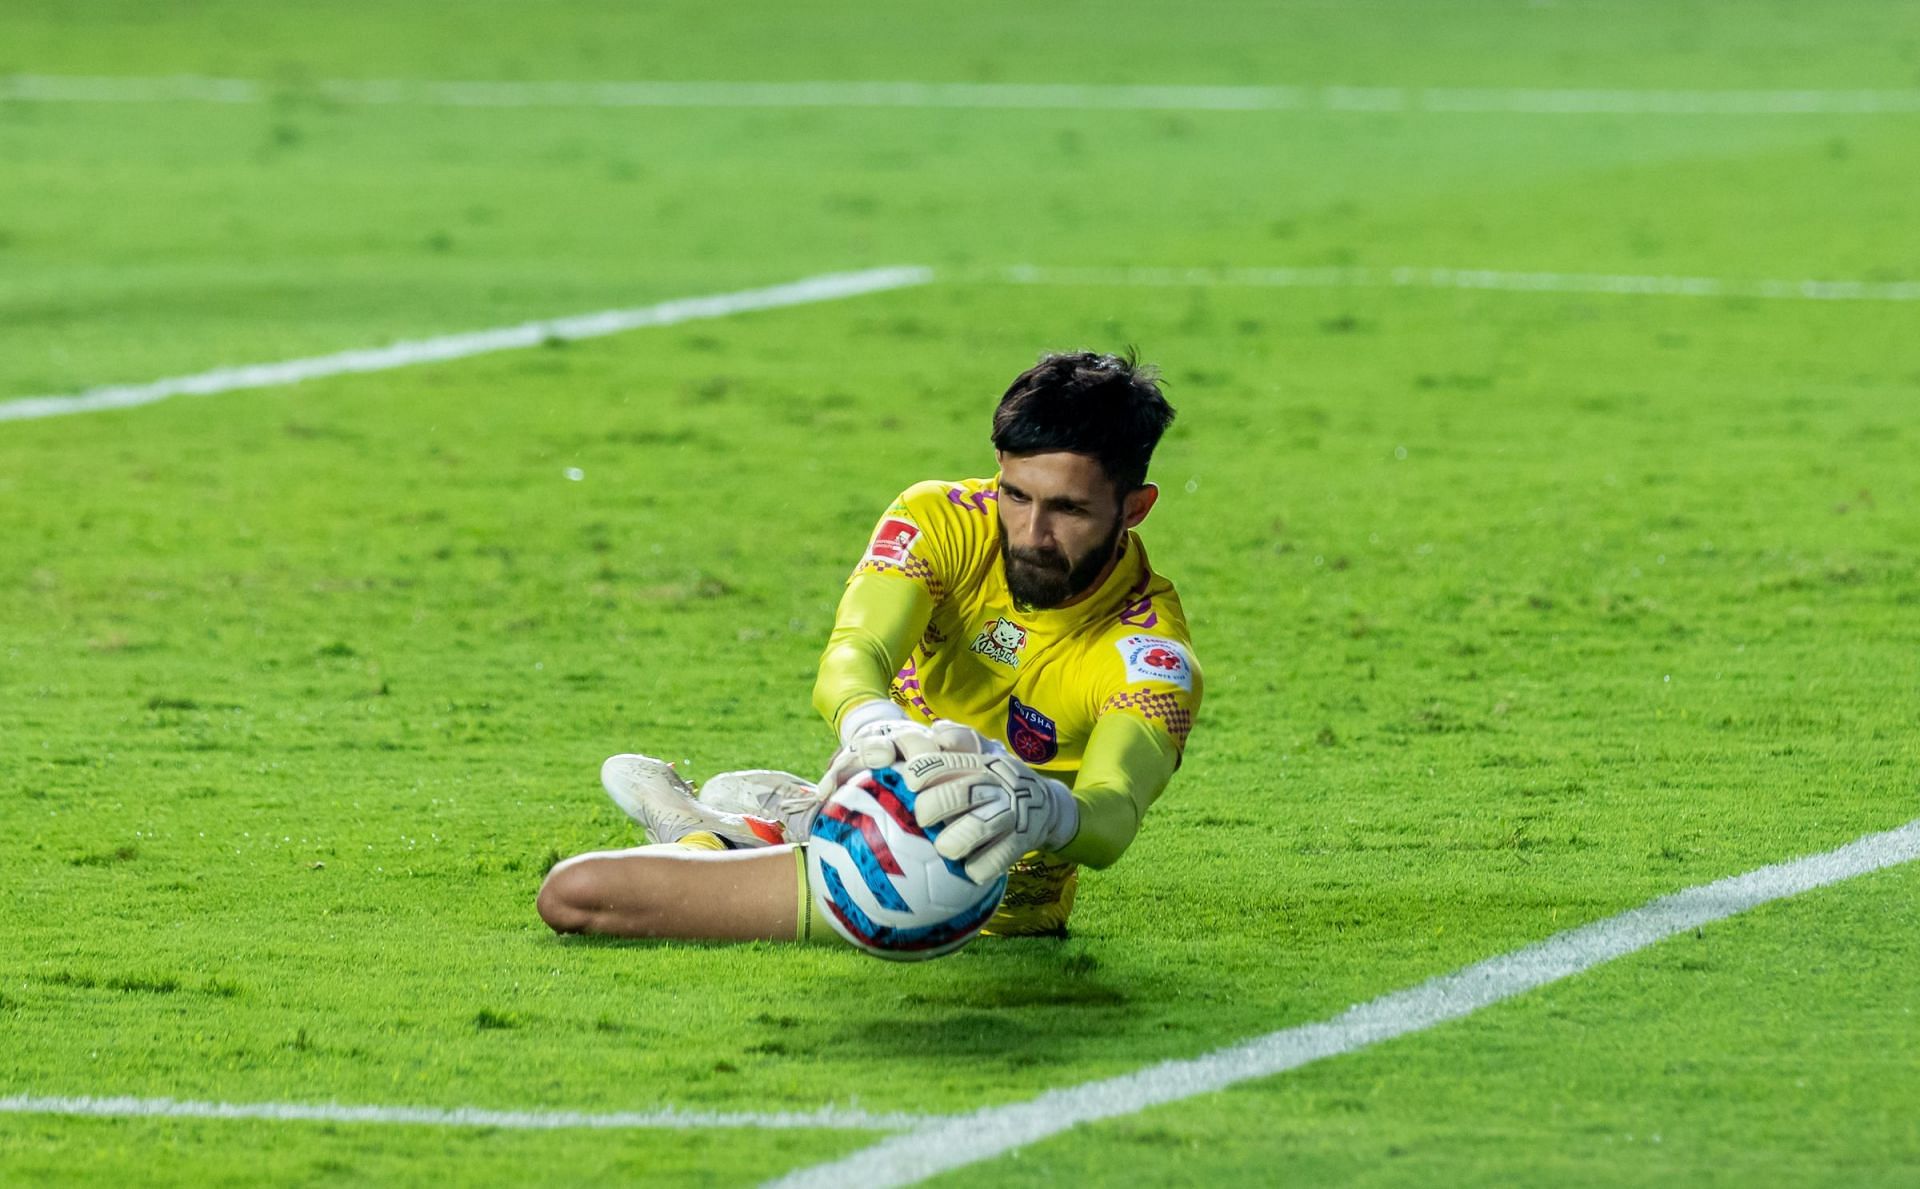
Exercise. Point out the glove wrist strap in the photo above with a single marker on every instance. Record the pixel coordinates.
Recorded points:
(866, 714)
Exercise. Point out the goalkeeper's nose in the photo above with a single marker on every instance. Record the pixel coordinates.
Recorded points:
(1032, 534)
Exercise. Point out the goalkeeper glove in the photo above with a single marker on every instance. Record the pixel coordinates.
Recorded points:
(994, 808)
(884, 740)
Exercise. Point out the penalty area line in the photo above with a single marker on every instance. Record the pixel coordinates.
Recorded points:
(956, 1141)
(854, 94)
(1604, 284)
(827, 287)
(666, 1118)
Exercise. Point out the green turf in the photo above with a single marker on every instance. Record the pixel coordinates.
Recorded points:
(1517, 609)
(147, 240)
(1791, 1024)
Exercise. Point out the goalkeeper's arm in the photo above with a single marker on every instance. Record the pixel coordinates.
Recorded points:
(1127, 765)
(874, 631)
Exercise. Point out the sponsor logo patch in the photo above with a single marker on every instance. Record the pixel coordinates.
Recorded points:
(893, 541)
(1001, 641)
(1155, 658)
(1030, 733)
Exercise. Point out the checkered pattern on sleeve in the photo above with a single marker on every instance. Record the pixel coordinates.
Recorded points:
(915, 567)
(1167, 709)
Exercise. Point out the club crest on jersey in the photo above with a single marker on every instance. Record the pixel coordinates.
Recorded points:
(1030, 733)
(1001, 641)
(892, 541)
(1156, 658)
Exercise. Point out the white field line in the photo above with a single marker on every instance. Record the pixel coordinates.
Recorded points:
(957, 1141)
(1460, 278)
(459, 346)
(669, 1118)
(1548, 101)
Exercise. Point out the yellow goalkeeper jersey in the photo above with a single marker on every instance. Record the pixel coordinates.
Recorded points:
(1100, 695)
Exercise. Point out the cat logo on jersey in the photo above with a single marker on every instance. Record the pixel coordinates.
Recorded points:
(1001, 641)
(1031, 734)
(892, 541)
(1156, 658)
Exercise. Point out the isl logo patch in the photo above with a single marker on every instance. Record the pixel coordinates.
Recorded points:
(1156, 658)
(1030, 733)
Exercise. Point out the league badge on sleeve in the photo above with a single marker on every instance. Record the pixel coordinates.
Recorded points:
(1156, 658)
(893, 541)
(1030, 733)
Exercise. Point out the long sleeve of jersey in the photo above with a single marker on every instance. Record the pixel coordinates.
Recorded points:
(874, 632)
(1127, 765)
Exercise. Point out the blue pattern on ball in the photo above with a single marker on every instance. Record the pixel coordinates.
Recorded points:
(888, 937)
(848, 838)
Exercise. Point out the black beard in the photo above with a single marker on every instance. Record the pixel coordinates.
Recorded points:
(1043, 578)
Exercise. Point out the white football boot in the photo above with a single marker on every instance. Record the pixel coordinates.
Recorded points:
(653, 794)
(765, 794)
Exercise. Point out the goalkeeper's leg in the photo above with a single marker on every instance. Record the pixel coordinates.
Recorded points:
(710, 875)
(686, 890)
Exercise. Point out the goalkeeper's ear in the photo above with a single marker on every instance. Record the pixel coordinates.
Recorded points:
(1135, 505)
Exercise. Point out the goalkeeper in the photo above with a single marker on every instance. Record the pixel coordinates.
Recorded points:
(1012, 624)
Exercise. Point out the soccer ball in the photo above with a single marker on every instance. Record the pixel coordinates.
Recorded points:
(877, 880)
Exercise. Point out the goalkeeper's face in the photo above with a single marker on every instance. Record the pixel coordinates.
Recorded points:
(1061, 523)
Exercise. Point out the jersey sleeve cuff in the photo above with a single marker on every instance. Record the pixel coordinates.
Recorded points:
(1068, 823)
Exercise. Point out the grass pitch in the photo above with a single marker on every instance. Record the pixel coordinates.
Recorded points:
(1517, 609)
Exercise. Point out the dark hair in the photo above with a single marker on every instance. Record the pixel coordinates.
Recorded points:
(1106, 406)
